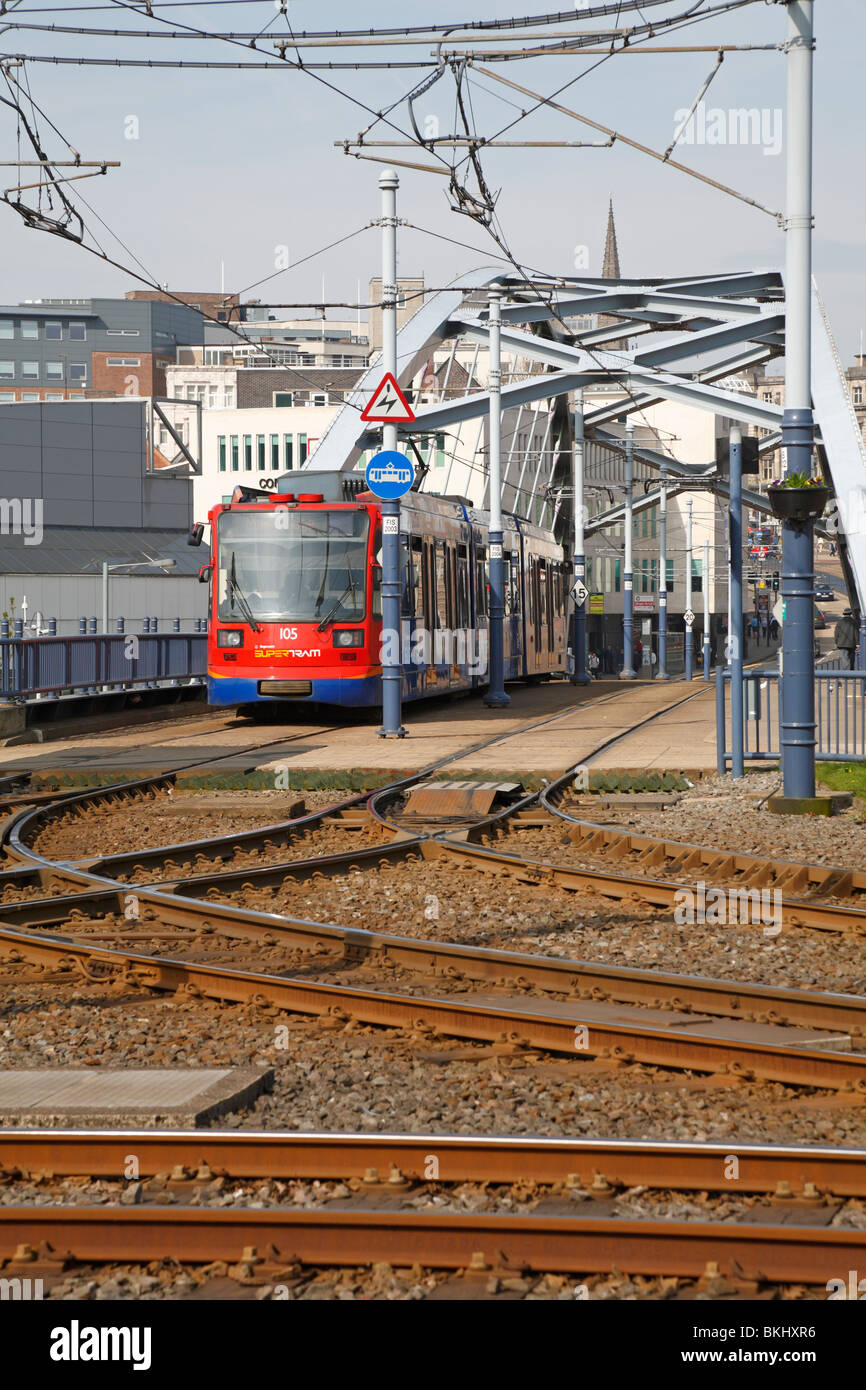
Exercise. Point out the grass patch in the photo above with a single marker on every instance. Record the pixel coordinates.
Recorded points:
(843, 777)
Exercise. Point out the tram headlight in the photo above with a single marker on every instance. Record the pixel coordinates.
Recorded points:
(348, 637)
(230, 637)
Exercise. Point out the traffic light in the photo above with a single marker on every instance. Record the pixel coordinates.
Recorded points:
(775, 581)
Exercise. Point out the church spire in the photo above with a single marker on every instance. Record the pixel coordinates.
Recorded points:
(610, 268)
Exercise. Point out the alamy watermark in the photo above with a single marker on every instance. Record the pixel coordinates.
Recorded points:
(711, 906)
(445, 646)
(22, 516)
(712, 125)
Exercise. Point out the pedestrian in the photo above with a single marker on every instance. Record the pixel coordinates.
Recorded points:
(594, 664)
(845, 636)
(653, 663)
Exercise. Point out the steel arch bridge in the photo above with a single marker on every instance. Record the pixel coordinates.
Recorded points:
(654, 340)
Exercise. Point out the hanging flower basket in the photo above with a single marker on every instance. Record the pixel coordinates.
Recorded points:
(798, 498)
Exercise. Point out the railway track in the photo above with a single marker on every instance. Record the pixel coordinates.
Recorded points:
(570, 1186)
(50, 933)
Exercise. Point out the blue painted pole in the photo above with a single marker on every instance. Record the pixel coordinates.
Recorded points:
(7, 656)
(154, 624)
(91, 625)
(175, 624)
(628, 672)
(52, 627)
(735, 636)
(688, 641)
(121, 625)
(663, 576)
(82, 627)
(496, 698)
(705, 585)
(862, 660)
(721, 761)
(798, 668)
(392, 660)
(580, 676)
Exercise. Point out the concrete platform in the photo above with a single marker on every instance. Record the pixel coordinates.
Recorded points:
(127, 1097)
(572, 722)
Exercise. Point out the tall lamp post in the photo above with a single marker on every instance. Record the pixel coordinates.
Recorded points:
(580, 675)
(496, 697)
(628, 672)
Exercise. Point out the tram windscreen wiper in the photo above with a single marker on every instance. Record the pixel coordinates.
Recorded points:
(332, 611)
(237, 593)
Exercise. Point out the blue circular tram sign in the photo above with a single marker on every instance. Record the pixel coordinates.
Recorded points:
(390, 475)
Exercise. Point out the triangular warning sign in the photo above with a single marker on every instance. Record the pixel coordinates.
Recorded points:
(388, 404)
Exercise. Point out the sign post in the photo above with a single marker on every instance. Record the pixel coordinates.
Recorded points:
(627, 672)
(390, 474)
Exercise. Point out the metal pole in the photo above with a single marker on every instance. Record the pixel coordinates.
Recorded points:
(706, 589)
(689, 645)
(496, 697)
(578, 617)
(735, 636)
(392, 666)
(663, 576)
(628, 672)
(105, 596)
(798, 702)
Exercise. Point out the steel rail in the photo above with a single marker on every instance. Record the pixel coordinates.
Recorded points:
(802, 1172)
(780, 1254)
(481, 1021)
(452, 960)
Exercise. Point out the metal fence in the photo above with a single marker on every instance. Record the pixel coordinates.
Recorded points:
(840, 715)
(38, 667)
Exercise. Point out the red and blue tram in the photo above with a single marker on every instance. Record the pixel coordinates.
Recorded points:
(295, 596)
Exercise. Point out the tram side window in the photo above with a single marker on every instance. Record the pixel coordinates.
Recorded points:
(512, 589)
(377, 576)
(439, 592)
(449, 586)
(480, 584)
(407, 579)
(462, 586)
(417, 552)
(542, 592)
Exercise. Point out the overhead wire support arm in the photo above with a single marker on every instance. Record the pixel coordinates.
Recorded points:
(634, 144)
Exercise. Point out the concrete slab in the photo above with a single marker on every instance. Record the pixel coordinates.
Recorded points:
(572, 722)
(122, 1097)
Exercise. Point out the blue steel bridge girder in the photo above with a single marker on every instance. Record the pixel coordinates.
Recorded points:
(712, 326)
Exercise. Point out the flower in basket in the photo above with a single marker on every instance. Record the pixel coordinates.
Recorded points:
(797, 480)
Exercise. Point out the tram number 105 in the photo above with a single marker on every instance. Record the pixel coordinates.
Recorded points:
(288, 634)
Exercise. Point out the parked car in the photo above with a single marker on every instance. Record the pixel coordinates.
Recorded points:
(824, 594)
(820, 619)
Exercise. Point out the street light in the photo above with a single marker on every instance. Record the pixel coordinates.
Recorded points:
(114, 566)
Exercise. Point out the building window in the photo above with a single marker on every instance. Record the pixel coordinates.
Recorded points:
(54, 332)
(7, 371)
(53, 371)
(234, 439)
(77, 332)
(440, 451)
(123, 361)
(77, 371)
(283, 398)
(248, 452)
(858, 395)
(260, 451)
(30, 396)
(124, 333)
(221, 442)
(289, 455)
(697, 576)
(7, 328)
(230, 398)
(6, 397)
(53, 395)
(275, 453)
(212, 396)
(30, 371)
(302, 450)
(320, 398)
(670, 574)
(29, 329)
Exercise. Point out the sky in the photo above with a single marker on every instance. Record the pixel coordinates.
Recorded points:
(229, 168)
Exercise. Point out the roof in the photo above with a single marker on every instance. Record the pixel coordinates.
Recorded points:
(78, 550)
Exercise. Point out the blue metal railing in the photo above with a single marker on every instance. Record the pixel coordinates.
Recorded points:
(93, 661)
(840, 715)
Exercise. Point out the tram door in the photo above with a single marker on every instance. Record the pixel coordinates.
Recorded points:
(533, 625)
